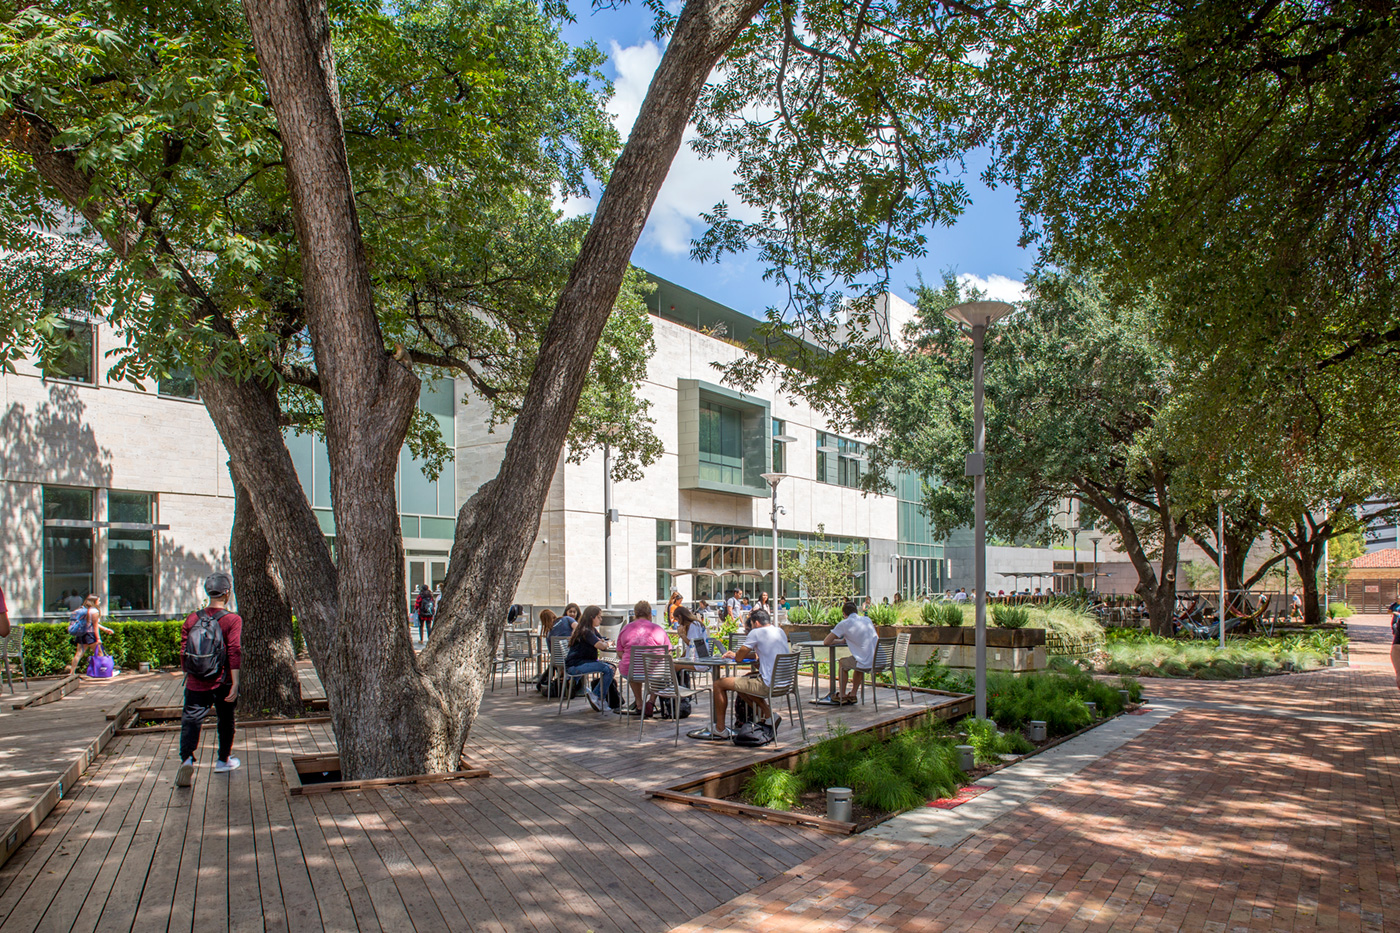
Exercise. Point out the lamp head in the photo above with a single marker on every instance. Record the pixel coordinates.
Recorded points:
(973, 313)
(773, 479)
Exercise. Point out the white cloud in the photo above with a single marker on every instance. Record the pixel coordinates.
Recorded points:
(996, 287)
(693, 185)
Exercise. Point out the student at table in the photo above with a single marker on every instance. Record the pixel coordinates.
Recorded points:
(566, 623)
(582, 658)
(860, 637)
(689, 627)
(765, 642)
(675, 602)
(638, 633)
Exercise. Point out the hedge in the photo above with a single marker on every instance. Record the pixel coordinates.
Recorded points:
(48, 648)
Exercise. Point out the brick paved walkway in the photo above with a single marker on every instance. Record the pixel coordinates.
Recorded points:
(1220, 819)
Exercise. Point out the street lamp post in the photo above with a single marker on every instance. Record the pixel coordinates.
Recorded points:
(773, 479)
(609, 513)
(976, 317)
(1096, 539)
(1074, 533)
(1221, 496)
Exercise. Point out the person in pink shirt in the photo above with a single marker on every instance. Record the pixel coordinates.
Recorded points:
(640, 632)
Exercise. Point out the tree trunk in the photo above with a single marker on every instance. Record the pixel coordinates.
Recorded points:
(496, 528)
(390, 716)
(268, 684)
(1157, 589)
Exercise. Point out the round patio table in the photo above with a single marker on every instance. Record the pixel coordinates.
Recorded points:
(827, 700)
(707, 734)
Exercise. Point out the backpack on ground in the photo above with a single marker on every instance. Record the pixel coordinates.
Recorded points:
(205, 652)
(753, 734)
(78, 621)
(668, 707)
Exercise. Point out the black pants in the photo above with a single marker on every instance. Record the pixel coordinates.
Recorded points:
(197, 703)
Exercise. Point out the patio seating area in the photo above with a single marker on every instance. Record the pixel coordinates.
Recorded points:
(125, 849)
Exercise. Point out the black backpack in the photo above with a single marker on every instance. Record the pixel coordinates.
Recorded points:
(425, 607)
(753, 734)
(667, 706)
(205, 651)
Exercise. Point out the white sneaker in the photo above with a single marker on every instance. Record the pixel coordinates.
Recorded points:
(231, 765)
(593, 701)
(185, 776)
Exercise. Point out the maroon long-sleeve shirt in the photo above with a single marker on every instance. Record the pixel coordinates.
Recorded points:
(232, 624)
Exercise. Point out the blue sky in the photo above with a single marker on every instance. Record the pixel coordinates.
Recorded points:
(982, 244)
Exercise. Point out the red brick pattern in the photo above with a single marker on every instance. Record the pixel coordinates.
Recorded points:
(1216, 820)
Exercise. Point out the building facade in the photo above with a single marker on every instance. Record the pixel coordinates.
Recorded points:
(123, 489)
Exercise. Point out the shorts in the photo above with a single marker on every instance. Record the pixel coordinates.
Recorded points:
(86, 638)
(751, 684)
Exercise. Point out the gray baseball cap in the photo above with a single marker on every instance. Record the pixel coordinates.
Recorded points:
(218, 584)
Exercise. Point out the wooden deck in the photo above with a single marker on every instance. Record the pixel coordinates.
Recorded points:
(560, 837)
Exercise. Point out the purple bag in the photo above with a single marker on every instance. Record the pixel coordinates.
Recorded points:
(100, 665)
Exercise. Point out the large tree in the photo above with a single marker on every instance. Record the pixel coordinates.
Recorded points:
(1242, 162)
(394, 712)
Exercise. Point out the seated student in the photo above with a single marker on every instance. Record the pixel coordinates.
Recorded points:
(689, 627)
(860, 636)
(765, 642)
(582, 658)
(564, 627)
(640, 632)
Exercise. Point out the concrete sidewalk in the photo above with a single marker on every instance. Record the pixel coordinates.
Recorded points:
(1270, 804)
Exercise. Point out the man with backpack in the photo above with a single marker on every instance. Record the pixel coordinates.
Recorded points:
(211, 652)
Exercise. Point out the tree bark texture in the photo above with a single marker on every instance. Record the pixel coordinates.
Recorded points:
(1156, 587)
(268, 684)
(496, 528)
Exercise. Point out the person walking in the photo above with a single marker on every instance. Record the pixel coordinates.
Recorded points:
(85, 629)
(211, 652)
(425, 606)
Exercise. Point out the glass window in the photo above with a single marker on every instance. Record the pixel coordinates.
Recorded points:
(721, 444)
(843, 461)
(664, 560)
(75, 363)
(178, 384)
(67, 550)
(779, 453)
(131, 552)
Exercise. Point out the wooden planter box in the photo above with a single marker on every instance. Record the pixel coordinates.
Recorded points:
(708, 790)
(318, 774)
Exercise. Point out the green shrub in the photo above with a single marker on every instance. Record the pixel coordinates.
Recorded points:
(1135, 652)
(48, 648)
(951, 614)
(936, 676)
(931, 613)
(884, 615)
(1133, 687)
(1340, 610)
(1010, 616)
(774, 788)
(878, 783)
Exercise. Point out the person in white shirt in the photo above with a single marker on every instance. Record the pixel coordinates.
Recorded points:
(765, 642)
(960, 596)
(735, 605)
(858, 634)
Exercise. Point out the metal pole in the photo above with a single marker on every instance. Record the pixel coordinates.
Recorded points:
(1326, 579)
(607, 524)
(979, 487)
(1075, 571)
(1096, 565)
(777, 594)
(1220, 544)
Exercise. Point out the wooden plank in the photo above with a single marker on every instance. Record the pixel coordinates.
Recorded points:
(424, 910)
(130, 706)
(743, 809)
(57, 692)
(124, 899)
(131, 764)
(389, 908)
(352, 882)
(22, 827)
(211, 723)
